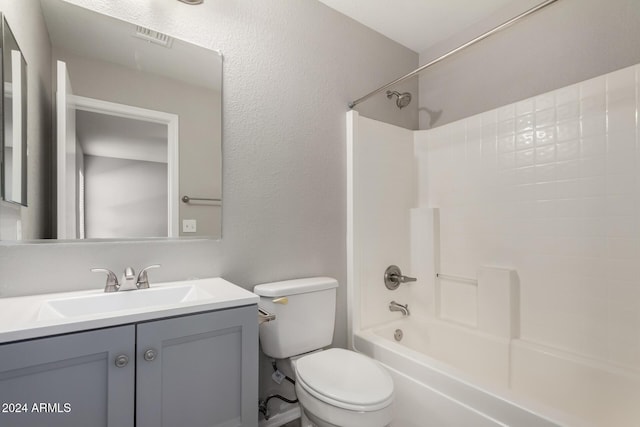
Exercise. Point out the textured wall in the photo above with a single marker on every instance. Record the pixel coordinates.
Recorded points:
(567, 42)
(290, 68)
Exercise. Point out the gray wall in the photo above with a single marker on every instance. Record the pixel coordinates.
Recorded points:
(290, 68)
(27, 24)
(567, 42)
(125, 197)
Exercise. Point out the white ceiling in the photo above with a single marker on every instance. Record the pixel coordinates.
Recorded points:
(418, 24)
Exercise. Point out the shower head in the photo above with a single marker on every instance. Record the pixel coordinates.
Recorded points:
(403, 98)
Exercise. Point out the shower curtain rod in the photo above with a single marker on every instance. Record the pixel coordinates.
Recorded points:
(456, 50)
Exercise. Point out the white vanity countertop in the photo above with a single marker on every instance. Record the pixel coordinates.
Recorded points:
(42, 315)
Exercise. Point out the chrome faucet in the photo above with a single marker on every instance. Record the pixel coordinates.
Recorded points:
(404, 309)
(129, 280)
(143, 279)
(393, 277)
(112, 281)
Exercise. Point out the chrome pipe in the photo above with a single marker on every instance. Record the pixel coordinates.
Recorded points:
(481, 37)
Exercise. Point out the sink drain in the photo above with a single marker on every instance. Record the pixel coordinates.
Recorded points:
(397, 335)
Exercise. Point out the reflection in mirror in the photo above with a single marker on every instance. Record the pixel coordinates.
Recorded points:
(14, 149)
(137, 127)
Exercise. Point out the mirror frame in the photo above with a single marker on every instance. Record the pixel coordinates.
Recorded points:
(22, 124)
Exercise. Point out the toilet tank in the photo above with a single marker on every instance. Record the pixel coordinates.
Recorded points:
(305, 312)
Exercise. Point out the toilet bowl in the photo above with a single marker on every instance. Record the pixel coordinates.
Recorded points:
(335, 387)
(338, 387)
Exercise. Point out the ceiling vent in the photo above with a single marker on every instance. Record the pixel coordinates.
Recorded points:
(154, 37)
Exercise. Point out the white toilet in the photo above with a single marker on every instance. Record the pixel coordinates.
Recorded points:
(335, 387)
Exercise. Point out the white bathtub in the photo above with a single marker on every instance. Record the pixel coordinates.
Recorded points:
(488, 381)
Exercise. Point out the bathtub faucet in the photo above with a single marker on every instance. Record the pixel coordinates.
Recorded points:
(404, 309)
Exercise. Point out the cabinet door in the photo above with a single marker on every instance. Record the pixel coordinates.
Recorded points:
(69, 380)
(204, 370)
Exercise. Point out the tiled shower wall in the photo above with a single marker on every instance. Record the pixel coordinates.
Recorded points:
(549, 186)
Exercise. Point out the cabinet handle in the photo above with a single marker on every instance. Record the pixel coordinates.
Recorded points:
(122, 360)
(150, 355)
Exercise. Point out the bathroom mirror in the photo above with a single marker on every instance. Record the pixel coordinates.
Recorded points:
(14, 123)
(136, 130)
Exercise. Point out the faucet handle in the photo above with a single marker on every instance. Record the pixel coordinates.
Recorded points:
(112, 281)
(143, 278)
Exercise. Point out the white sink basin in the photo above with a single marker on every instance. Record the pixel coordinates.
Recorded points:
(118, 301)
(59, 313)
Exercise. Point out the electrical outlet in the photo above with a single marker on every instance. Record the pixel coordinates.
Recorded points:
(188, 225)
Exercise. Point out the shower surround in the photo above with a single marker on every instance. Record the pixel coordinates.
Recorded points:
(548, 190)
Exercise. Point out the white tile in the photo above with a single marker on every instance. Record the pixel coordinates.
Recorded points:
(506, 127)
(526, 175)
(555, 193)
(621, 84)
(546, 190)
(568, 150)
(595, 207)
(545, 118)
(593, 146)
(621, 184)
(567, 95)
(545, 101)
(570, 111)
(506, 161)
(592, 166)
(546, 208)
(545, 173)
(621, 118)
(525, 158)
(545, 154)
(595, 87)
(568, 130)
(620, 163)
(623, 248)
(568, 189)
(594, 125)
(506, 112)
(524, 140)
(594, 186)
(525, 107)
(506, 143)
(545, 136)
(593, 105)
(525, 123)
(621, 206)
(568, 170)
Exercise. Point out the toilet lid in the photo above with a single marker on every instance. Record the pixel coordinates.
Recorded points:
(346, 379)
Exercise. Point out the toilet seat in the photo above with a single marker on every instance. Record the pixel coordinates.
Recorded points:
(345, 379)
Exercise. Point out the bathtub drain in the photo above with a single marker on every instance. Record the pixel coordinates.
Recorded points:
(397, 335)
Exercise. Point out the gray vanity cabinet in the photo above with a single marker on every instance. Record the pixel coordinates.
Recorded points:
(198, 370)
(189, 371)
(69, 380)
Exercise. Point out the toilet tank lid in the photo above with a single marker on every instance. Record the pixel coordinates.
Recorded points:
(295, 286)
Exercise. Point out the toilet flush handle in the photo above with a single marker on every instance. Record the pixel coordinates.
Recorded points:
(281, 300)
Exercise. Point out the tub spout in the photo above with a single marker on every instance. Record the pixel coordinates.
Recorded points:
(404, 309)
